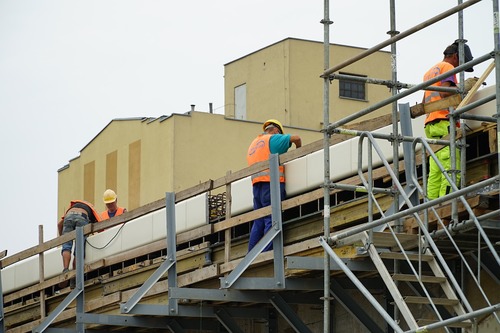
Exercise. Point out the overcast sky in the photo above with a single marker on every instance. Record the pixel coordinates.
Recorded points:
(67, 68)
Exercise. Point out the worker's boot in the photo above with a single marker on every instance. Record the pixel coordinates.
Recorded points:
(64, 284)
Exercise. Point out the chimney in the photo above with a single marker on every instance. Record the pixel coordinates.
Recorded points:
(192, 107)
(210, 108)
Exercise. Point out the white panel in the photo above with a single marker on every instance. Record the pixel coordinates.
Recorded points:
(160, 224)
(488, 109)
(8, 279)
(100, 248)
(294, 175)
(52, 263)
(197, 211)
(417, 126)
(26, 272)
(341, 165)
(180, 216)
(315, 169)
(242, 196)
(137, 232)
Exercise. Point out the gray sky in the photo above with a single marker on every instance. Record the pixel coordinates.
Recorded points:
(67, 68)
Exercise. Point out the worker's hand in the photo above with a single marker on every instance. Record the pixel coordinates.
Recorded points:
(469, 83)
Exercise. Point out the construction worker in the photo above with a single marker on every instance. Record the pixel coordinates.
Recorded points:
(110, 200)
(272, 141)
(437, 123)
(79, 214)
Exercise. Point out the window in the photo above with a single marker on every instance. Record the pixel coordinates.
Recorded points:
(240, 101)
(352, 89)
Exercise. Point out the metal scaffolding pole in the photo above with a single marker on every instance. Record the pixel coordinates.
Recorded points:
(326, 162)
(402, 35)
(496, 36)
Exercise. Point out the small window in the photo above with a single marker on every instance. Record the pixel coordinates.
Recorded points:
(352, 89)
(240, 101)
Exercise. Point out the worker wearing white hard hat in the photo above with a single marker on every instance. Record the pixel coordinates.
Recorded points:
(110, 199)
(272, 141)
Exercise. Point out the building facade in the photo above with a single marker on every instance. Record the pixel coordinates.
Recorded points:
(142, 158)
(283, 80)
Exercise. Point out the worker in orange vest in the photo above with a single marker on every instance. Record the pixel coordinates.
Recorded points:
(79, 214)
(111, 200)
(272, 141)
(437, 123)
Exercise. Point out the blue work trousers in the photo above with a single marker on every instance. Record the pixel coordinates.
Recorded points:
(72, 220)
(262, 198)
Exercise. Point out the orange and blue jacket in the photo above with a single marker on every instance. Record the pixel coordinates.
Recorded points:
(259, 151)
(431, 96)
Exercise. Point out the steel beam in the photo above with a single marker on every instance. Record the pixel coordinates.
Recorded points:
(353, 307)
(227, 321)
(274, 234)
(311, 263)
(288, 314)
(73, 294)
(166, 266)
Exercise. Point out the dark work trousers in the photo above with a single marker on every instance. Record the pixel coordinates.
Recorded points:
(262, 198)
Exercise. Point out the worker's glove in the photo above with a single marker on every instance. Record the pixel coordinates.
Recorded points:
(469, 83)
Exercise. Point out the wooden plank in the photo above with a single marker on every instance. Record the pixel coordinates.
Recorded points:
(435, 300)
(476, 86)
(19, 317)
(442, 211)
(411, 256)
(182, 281)
(423, 278)
(349, 213)
(492, 136)
(41, 270)
(227, 232)
(462, 324)
(386, 240)
(443, 103)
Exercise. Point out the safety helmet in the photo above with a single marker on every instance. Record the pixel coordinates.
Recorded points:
(109, 196)
(275, 123)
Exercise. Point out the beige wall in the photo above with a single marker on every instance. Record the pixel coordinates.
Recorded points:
(158, 156)
(283, 82)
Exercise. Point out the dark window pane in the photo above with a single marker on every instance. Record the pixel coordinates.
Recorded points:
(352, 89)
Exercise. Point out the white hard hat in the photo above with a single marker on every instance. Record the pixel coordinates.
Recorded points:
(109, 196)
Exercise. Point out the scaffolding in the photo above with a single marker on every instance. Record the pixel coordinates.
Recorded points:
(392, 221)
(406, 263)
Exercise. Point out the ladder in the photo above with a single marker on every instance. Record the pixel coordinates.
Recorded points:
(422, 261)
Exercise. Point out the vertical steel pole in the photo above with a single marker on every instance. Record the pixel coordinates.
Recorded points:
(41, 272)
(2, 319)
(173, 304)
(496, 36)
(326, 148)
(80, 258)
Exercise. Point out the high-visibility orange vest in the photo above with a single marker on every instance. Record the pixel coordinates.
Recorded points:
(259, 151)
(105, 214)
(96, 214)
(431, 96)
